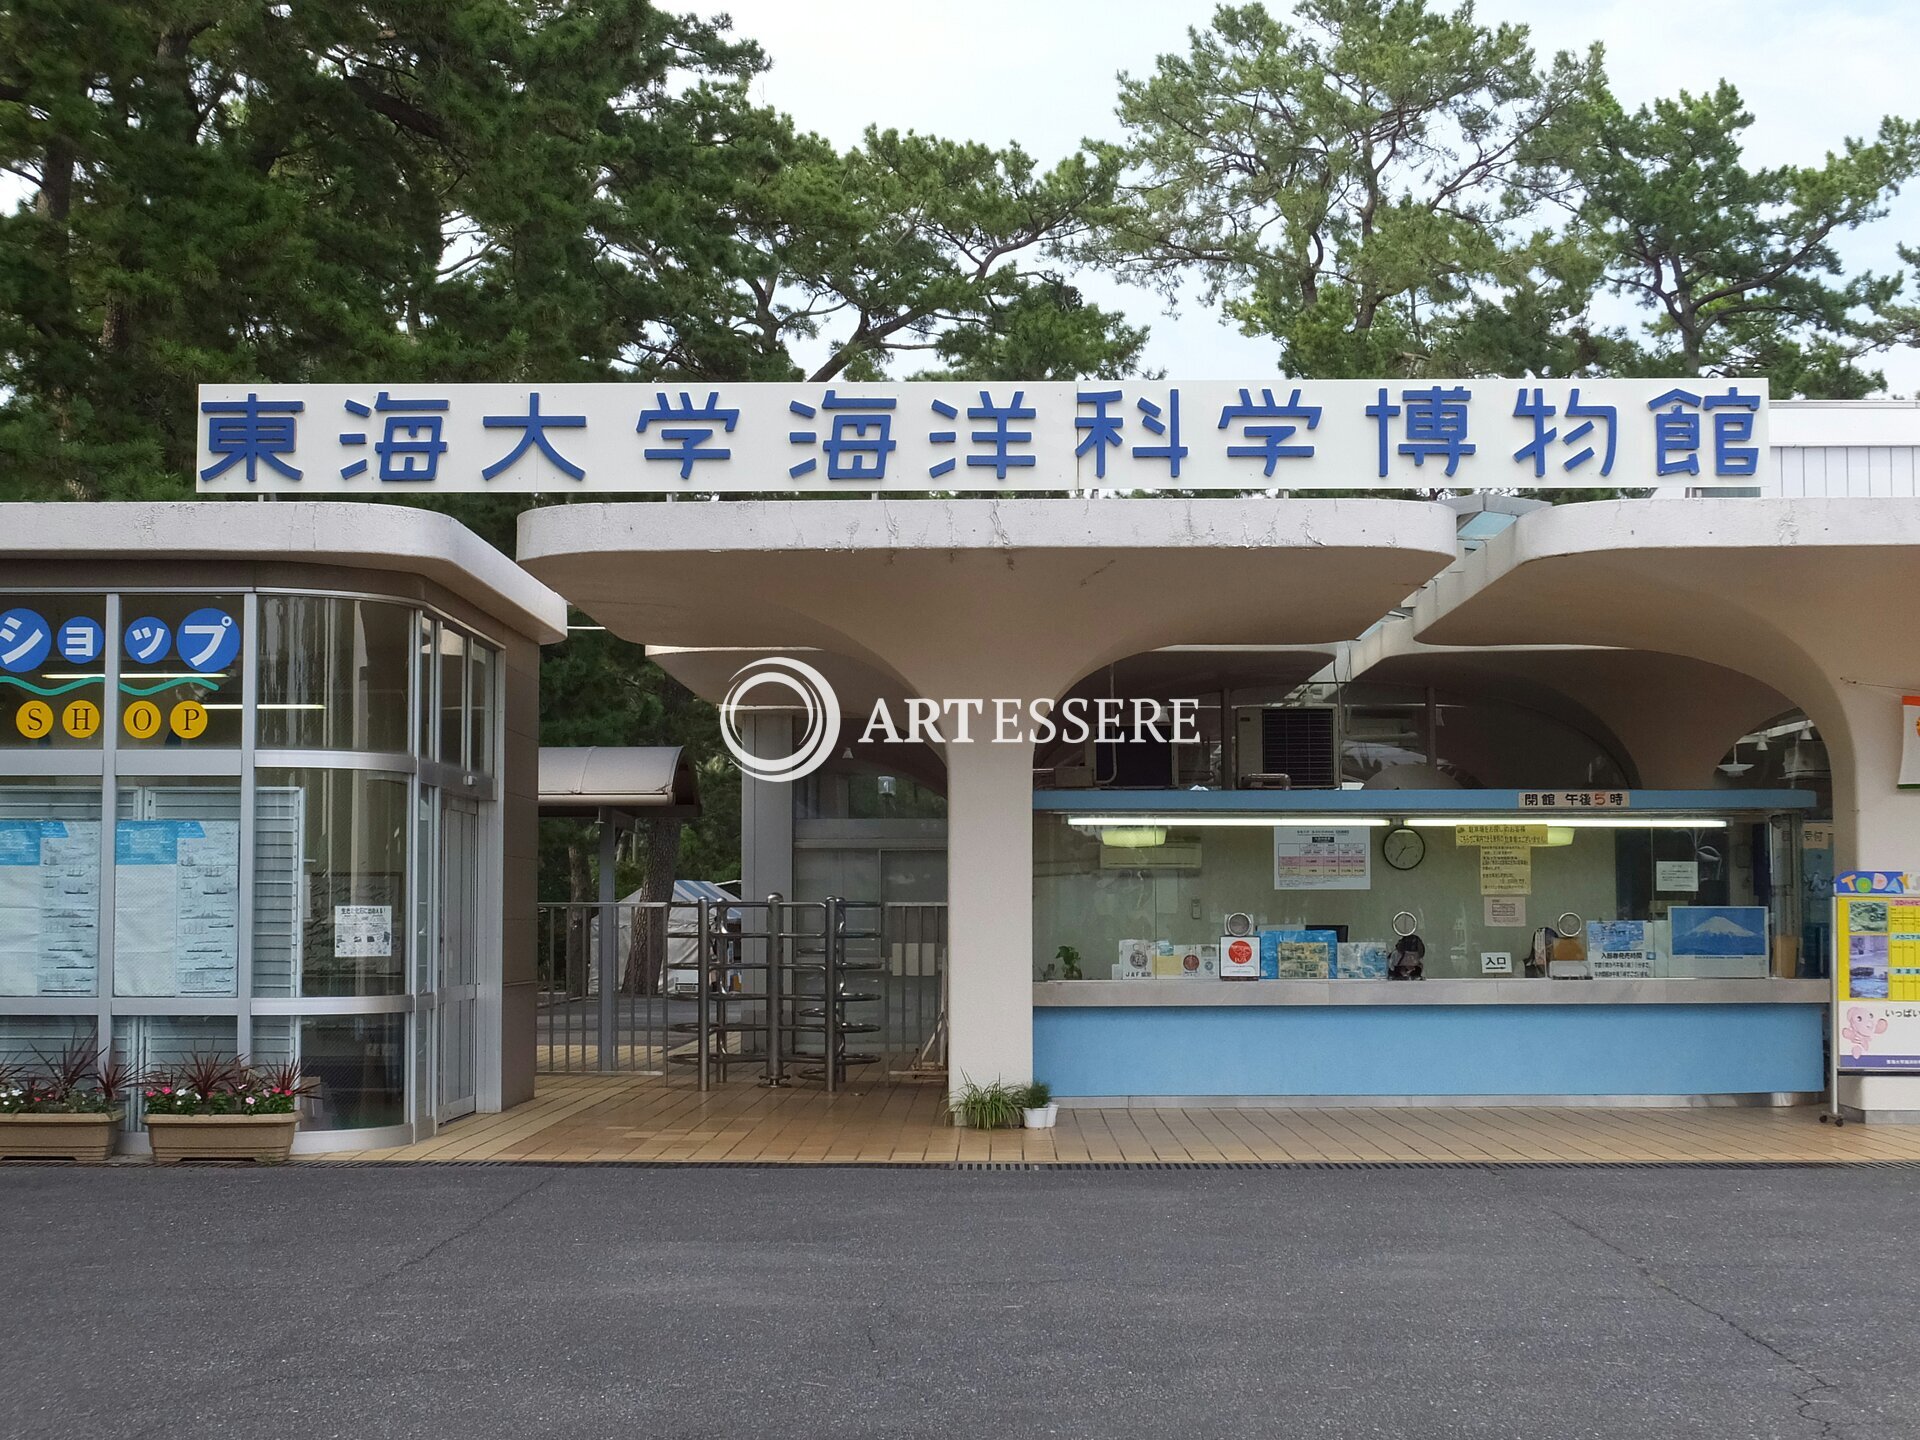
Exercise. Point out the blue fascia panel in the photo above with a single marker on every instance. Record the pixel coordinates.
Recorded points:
(1430, 1050)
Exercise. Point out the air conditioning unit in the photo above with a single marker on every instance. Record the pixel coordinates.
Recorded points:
(1287, 748)
(1805, 760)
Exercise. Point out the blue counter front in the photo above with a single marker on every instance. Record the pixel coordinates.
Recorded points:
(1172, 1039)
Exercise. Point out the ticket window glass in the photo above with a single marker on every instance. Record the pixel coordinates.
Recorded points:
(180, 664)
(53, 671)
(1694, 898)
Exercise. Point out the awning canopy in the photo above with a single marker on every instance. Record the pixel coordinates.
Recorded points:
(644, 779)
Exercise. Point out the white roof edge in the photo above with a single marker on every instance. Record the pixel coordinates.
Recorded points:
(1703, 524)
(907, 524)
(359, 535)
(1817, 424)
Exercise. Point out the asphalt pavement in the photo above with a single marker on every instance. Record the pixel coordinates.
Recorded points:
(527, 1302)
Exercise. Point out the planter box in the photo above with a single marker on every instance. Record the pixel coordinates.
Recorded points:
(266, 1138)
(58, 1137)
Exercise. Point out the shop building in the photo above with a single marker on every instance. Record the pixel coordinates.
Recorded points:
(267, 781)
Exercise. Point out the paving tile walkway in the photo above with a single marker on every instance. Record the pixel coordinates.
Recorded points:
(632, 1118)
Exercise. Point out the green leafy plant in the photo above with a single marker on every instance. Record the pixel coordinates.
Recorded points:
(990, 1107)
(1069, 959)
(217, 1085)
(1036, 1096)
(80, 1080)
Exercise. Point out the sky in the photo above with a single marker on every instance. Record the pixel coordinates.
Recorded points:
(1041, 72)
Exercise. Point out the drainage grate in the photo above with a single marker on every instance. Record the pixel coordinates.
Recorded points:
(1492, 1167)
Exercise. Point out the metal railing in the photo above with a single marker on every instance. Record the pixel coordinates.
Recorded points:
(777, 990)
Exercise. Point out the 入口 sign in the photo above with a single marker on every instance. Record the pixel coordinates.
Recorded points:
(677, 437)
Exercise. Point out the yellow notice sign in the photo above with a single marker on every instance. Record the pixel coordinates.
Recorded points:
(1500, 835)
(1506, 870)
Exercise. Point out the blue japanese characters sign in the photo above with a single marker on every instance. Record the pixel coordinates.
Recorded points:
(1048, 435)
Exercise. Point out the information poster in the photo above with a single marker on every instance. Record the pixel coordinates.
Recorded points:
(1877, 978)
(176, 907)
(1619, 949)
(1504, 912)
(49, 907)
(1322, 857)
(363, 932)
(1506, 870)
(1676, 877)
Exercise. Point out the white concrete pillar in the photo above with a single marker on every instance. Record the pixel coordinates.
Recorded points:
(1876, 824)
(989, 912)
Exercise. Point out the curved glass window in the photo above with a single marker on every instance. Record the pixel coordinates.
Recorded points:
(334, 674)
(357, 1063)
(330, 883)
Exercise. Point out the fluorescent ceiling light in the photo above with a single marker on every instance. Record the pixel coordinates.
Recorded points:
(1183, 822)
(1133, 837)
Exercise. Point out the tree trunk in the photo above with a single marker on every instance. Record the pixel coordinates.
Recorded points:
(579, 918)
(647, 950)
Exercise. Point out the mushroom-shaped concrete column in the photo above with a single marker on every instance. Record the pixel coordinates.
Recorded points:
(1816, 598)
(987, 600)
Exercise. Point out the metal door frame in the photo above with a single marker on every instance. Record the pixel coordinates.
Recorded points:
(456, 1002)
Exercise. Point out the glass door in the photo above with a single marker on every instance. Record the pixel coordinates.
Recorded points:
(458, 965)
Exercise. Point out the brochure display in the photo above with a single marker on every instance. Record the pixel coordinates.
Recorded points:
(1876, 973)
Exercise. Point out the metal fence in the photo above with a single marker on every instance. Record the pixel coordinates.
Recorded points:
(775, 990)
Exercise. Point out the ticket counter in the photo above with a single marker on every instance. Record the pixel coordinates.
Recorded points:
(1628, 945)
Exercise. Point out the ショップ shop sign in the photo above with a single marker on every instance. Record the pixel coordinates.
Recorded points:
(1045, 435)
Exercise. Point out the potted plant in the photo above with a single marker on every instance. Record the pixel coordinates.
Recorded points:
(988, 1107)
(65, 1110)
(1037, 1108)
(1069, 959)
(213, 1108)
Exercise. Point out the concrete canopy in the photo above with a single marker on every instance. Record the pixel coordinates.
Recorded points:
(1621, 698)
(923, 588)
(349, 535)
(985, 599)
(1811, 598)
(584, 780)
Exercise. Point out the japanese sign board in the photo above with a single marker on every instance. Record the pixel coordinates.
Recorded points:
(1876, 1012)
(701, 438)
(1499, 833)
(1575, 799)
(1506, 870)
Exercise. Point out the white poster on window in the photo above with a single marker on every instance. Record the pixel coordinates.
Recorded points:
(176, 905)
(1676, 877)
(363, 932)
(1322, 857)
(49, 907)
